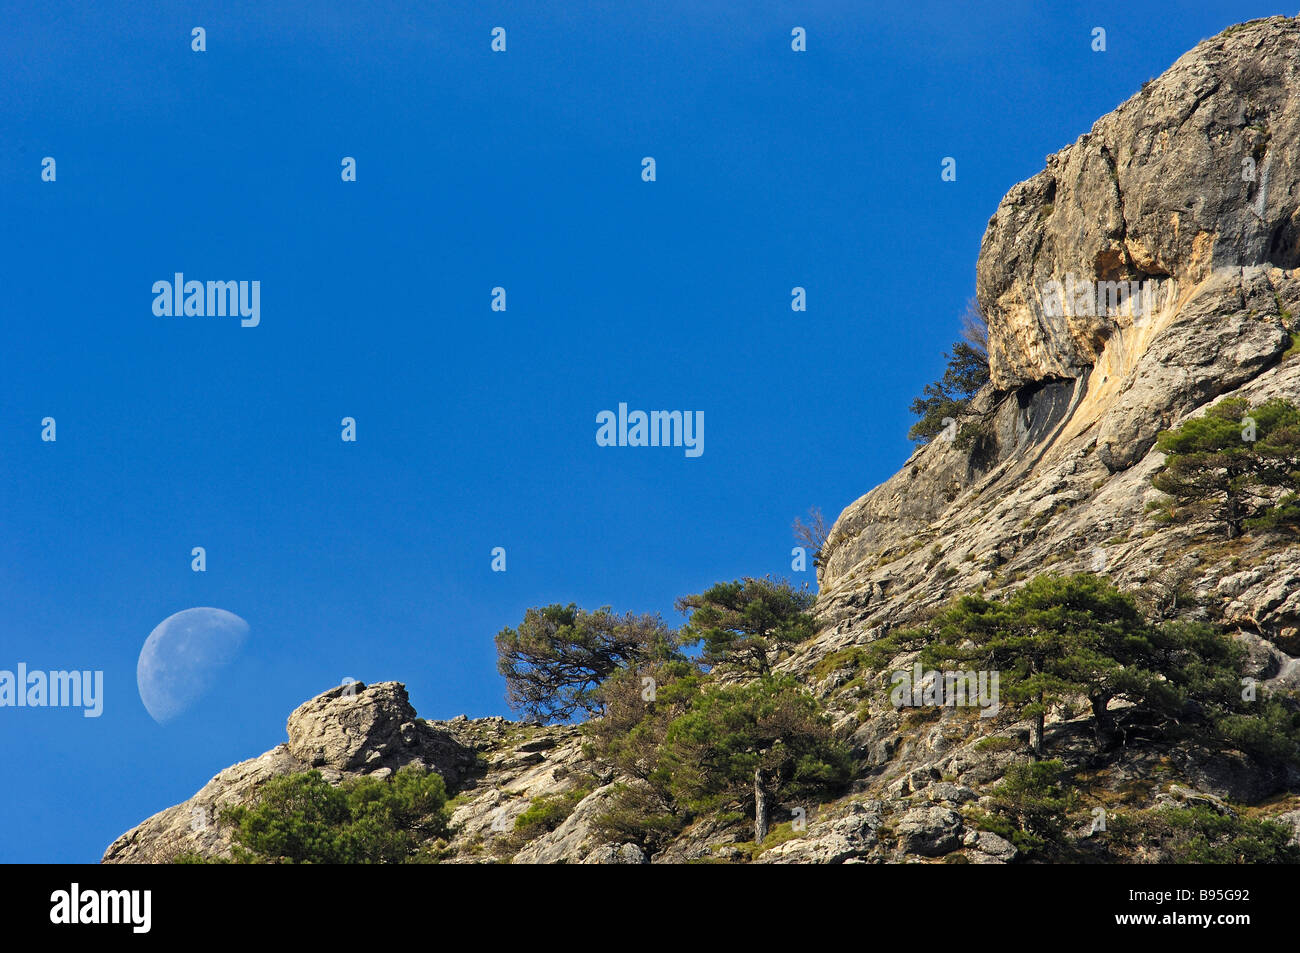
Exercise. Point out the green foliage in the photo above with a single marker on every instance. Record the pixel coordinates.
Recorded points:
(1201, 835)
(1282, 515)
(746, 624)
(1213, 470)
(780, 834)
(1268, 728)
(1201, 682)
(303, 819)
(559, 656)
(1005, 828)
(630, 735)
(710, 754)
(545, 814)
(637, 718)
(1059, 638)
(694, 747)
(1294, 350)
(1034, 804)
(1056, 638)
(854, 657)
(194, 857)
(640, 814)
(967, 372)
(933, 407)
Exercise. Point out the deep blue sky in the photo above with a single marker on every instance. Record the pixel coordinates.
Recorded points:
(476, 429)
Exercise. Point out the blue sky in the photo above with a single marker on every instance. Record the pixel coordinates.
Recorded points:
(476, 428)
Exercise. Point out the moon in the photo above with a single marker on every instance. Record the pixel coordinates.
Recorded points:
(183, 656)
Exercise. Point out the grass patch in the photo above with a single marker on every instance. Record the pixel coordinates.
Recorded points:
(777, 836)
(545, 814)
(854, 657)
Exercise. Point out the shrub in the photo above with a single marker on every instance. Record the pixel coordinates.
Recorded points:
(545, 814)
(813, 534)
(1034, 804)
(303, 819)
(1201, 835)
(640, 814)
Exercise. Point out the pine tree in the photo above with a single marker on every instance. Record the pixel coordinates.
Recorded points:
(966, 373)
(555, 662)
(748, 745)
(1237, 465)
(745, 624)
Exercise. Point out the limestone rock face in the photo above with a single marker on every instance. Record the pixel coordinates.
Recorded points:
(575, 838)
(1058, 475)
(365, 729)
(851, 838)
(930, 831)
(1229, 330)
(192, 825)
(1191, 175)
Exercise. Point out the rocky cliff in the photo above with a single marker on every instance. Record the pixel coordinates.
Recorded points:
(1185, 186)
(1187, 189)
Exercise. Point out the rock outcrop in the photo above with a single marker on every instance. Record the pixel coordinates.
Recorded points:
(349, 731)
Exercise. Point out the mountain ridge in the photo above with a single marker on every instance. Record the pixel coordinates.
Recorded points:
(1053, 473)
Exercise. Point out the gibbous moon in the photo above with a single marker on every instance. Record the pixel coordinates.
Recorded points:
(183, 657)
